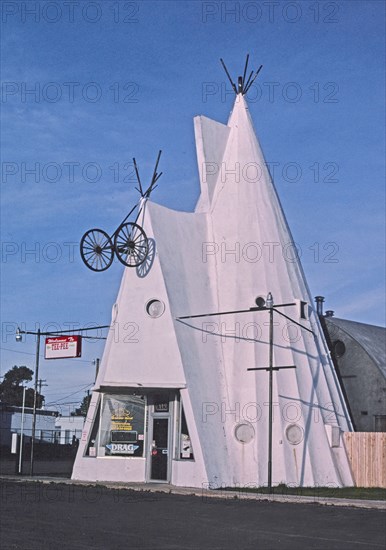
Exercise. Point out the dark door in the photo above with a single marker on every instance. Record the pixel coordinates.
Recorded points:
(159, 451)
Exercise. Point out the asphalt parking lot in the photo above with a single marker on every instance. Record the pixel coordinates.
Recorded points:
(68, 516)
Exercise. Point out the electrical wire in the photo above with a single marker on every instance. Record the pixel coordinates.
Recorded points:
(42, 356)
(69, 395)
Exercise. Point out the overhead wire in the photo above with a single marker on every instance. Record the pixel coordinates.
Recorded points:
(42, 356)
(69, 395)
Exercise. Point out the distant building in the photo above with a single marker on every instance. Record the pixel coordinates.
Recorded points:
(67, 428)
(359, 352)
(11, 422)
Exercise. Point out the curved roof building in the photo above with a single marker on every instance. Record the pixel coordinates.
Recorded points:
(360, 353)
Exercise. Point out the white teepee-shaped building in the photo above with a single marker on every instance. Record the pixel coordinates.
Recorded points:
(174, 400)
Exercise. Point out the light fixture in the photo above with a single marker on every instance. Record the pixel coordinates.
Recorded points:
(38, 335)
(260, 302)
(244, 432)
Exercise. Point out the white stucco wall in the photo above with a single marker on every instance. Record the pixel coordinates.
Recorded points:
(201, 265)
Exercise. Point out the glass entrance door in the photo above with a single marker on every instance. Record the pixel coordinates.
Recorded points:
(159, 456)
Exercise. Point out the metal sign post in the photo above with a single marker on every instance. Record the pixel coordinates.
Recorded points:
(38, 333)
(21, 433)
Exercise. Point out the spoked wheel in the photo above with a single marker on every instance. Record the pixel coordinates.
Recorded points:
(96, 249)
(131, 244)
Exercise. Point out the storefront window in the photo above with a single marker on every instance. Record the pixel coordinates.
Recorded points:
(91, 449)
(185, 450)
(122, 425)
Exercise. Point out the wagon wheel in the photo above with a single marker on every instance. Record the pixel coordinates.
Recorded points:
(131, 244)
(96, 250)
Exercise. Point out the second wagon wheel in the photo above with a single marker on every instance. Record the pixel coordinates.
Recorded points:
(131, 244)
(96, 250)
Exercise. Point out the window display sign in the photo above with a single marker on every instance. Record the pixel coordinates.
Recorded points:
(186, 447)
(122, 426)
(122, 448)
(186, 450)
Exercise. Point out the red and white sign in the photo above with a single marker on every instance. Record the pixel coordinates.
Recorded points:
(63, 347)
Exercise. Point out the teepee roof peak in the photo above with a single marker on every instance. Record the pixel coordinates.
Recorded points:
(244, 82)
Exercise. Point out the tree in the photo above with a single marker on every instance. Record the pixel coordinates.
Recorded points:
(82, 410)
(11, 388)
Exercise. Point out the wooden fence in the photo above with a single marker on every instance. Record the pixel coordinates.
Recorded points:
(367, 454)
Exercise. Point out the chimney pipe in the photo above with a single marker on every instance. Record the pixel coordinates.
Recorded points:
(330, 313)
(319, 304)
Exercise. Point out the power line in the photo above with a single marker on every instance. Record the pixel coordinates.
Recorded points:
(42, 356)
(65, 403)
(69, 395)
(67, 388)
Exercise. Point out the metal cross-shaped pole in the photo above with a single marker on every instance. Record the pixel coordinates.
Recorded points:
(266, 305)
(270, 369)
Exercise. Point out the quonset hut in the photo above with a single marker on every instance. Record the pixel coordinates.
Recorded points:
(359, 351)
(174, 400)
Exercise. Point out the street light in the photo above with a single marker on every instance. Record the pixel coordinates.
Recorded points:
(269, 300)
(21, 432)
(269, 305)
(19, 338)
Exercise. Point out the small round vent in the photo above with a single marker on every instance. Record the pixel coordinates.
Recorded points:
(294, 434)
(244, 432)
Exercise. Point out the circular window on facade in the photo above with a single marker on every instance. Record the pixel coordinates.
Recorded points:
(339, 348)
(294, 434)
(155, 308)
(244, 432)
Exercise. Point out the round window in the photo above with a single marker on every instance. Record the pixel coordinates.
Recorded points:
(244, 432)
(339, 348)
(155, 308)
(294, 434)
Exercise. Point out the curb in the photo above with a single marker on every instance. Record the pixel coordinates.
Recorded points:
(204, 493)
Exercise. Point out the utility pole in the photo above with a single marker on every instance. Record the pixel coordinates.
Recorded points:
(41, 384)
(265, 305)
(270, 396)
(270, 307)
(21, 433)
(38, 334)
(96, 363)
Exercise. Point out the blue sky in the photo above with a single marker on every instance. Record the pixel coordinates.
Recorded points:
(113, 80)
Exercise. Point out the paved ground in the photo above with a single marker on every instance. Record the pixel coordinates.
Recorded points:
(37, 516)
(60, 467)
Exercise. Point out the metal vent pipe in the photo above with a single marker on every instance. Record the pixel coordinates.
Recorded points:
(319, 304)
